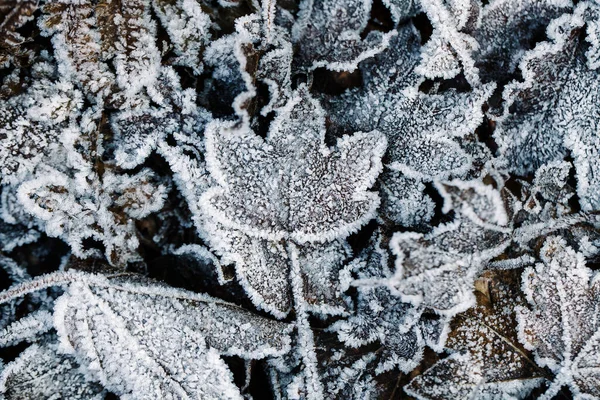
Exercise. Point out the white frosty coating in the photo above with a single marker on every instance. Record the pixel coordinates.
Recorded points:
(327, 34)
(27, 328)
(41, 372)
(188, 28)
(438, 269)
(562, 324)
(382, 317)
(75, 209)
(141, 339)
(291, 185)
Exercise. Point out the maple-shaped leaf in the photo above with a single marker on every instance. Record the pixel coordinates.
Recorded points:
(561, 325)
(290, 185)
(41, 372)
(140, 339)
(558, 76)
(487, 360)
(328, 33)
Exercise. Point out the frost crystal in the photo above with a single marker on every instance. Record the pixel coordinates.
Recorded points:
(561, 292)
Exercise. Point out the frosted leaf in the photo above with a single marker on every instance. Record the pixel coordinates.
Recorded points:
(188, 28)
(245, 58)
(262, 268)
(384, 77)
(138, 131)
(423, 128)
(438, 60)
(560, 325)
(75, 210)
(140, 339)
(127, 40)
(507, 29)
(481, 204)
(449, 49)
(551, 182)
(403, 200)
(382, 317)
(438, 269)
(350, 379)
(26, 328)
(41, 372)
(72, 25)
(487, 360)
(290, 185)
(556, 106)
(30, 127)
(328, 34)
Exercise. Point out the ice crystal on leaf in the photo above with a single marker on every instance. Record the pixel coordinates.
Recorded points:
(438, 269)
(381, 316)
(328, 34)
(42, 372)
(140, 339)
(553, 109)
(486, 359)
(560, 325)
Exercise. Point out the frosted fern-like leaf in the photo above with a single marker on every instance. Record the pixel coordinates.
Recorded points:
(41, 372)
(487, 361)
(560, 325)
(328, 34)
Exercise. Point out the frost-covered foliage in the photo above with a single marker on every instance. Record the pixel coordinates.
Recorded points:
(299, 199)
